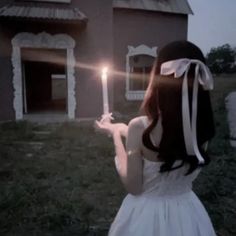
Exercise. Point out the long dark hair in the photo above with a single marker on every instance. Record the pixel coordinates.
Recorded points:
(164, 97)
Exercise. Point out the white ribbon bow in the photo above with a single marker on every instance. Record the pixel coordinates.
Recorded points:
(203, 76)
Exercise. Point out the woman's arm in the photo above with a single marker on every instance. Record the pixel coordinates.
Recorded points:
(128, 159)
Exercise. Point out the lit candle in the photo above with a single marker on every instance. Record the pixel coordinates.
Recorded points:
(105, 91)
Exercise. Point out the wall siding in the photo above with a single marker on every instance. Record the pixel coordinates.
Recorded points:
(132, 27)
(104, 40)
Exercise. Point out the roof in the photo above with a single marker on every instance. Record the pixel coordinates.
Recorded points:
(42, 12)
(169, 6)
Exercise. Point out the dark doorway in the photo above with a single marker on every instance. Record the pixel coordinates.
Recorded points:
(44, 80)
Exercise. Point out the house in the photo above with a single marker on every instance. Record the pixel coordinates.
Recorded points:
(52, 51)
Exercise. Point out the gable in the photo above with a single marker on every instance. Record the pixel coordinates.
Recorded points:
(169, 6)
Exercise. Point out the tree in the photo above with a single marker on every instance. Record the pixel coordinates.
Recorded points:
(221, 59)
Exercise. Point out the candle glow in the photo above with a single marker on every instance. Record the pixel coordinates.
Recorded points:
(104, 71)
(105, 91)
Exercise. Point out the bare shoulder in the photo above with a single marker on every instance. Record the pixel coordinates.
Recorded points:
(135, 132)
(137, 123)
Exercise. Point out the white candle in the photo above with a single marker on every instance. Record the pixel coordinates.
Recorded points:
(105, 91)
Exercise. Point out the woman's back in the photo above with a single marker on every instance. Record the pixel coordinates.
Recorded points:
(167, 206)
(165, 184)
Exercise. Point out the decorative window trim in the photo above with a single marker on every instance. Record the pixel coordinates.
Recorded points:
(42, 40)
(58, 76)
(142, 49)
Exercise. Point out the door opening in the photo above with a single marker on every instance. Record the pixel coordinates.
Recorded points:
(44, 81)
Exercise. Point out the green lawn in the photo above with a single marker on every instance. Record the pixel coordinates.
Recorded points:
(60, 179)
(216, 185)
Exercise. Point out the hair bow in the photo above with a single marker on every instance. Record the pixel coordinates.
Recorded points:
(179, 68)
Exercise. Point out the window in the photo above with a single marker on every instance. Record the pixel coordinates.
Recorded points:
(139, 62)
(141, 66)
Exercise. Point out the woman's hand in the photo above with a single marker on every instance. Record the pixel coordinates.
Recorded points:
(111, 128)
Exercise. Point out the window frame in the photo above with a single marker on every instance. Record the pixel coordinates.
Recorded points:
(135, 95)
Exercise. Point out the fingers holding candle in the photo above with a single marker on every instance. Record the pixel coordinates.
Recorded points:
(107, 118)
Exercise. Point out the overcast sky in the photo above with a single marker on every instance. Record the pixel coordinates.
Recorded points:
(213, 23)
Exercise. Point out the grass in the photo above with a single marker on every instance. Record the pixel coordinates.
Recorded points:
(64, 182)
(216, 185)
(65, 187)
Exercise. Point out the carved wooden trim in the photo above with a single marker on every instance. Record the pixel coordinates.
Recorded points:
(71, 83)
(42, 40)
(17, 83)
(142, 50)
(135, 95)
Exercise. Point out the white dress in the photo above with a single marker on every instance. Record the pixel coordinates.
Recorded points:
(167, 206)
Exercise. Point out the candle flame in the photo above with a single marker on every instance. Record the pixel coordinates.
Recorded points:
(104, 70)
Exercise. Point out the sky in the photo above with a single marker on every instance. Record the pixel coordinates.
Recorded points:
(213, 23)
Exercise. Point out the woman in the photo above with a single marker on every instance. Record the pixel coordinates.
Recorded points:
(165, 150)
